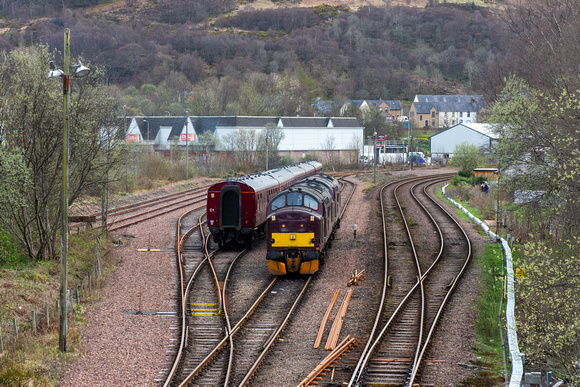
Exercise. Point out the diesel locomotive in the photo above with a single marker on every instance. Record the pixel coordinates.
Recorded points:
(302, 220)
(236, 208)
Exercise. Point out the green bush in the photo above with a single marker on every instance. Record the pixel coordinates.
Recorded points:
(478, 180)
(9, 255)
(464, 174)
(460, 180)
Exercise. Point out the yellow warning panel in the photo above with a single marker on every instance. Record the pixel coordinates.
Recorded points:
(201, 311)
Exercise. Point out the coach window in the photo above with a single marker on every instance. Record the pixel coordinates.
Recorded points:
(279, 202)
(310, 202)
(294, 199)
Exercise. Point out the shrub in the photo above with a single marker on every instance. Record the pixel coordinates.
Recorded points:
(478, 180)
(461, 191)
(154, 167)
(460, 180)
(9, 255)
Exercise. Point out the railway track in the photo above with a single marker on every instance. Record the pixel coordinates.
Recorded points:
(124, 216)
(417, 284)
(234, 313)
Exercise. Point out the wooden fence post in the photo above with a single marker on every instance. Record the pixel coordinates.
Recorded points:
(34, 322)
(98, 254)
(47, 317)
(15, 328)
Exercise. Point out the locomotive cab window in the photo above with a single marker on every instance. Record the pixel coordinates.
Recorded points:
(294, 199)
(310, 202)
(279, 202)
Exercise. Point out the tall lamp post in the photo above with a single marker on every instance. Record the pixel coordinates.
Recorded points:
(79, 71)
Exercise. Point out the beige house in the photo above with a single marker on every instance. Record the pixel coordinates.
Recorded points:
(390, 109)
(444, 111)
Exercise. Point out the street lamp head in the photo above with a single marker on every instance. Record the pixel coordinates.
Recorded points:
(55, 72)
(80, 70)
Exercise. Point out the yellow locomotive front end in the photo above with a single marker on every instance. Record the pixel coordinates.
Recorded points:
(293, 244)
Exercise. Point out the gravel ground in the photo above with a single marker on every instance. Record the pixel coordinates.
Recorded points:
(121, 349)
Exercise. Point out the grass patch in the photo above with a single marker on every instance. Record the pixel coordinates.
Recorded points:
(490, 305)
(33, 286)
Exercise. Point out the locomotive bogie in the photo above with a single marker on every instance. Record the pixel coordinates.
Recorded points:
(293, 261)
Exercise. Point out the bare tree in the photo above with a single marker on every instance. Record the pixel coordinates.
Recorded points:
(268, 142)
(329, 152)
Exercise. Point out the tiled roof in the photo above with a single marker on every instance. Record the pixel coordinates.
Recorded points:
(203, 123)
(150, 126)
(393, 104)
(449, 103)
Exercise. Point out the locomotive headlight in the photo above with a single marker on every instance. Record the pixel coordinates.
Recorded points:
(212, 195)
(301, 226)
(292, 237)
(273, 217)
(312, 218)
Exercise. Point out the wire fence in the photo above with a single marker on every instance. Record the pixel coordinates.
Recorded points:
(43, 318)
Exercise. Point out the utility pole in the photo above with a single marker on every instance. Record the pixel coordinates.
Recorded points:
(56, 72)
(64, 225)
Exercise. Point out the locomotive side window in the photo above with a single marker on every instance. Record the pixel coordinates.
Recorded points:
(294, 199)
(310, 202)
(279, 202)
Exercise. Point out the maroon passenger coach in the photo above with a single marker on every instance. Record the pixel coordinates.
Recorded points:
(236, 208)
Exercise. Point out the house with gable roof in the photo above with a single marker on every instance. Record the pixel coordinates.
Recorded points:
(444, 111)
(159, 134)
(390, 109)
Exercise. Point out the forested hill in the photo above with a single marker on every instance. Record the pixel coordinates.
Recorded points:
(286, 55)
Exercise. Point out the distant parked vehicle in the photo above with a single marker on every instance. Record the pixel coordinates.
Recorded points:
(417, 157)
(403, 119)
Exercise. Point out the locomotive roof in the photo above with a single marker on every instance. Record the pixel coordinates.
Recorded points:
(313, 187)
(325, 179)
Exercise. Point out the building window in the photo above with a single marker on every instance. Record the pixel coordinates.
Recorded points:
(432, 114)
(421, 118)
(467, 114)
(453, 114)
(432, 122)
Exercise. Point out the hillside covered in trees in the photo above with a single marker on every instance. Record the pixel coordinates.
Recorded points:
(168, 56)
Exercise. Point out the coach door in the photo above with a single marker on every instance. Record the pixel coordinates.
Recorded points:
(231, 205)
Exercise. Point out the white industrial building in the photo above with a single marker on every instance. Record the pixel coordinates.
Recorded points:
(301, 134)
(443, 143)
